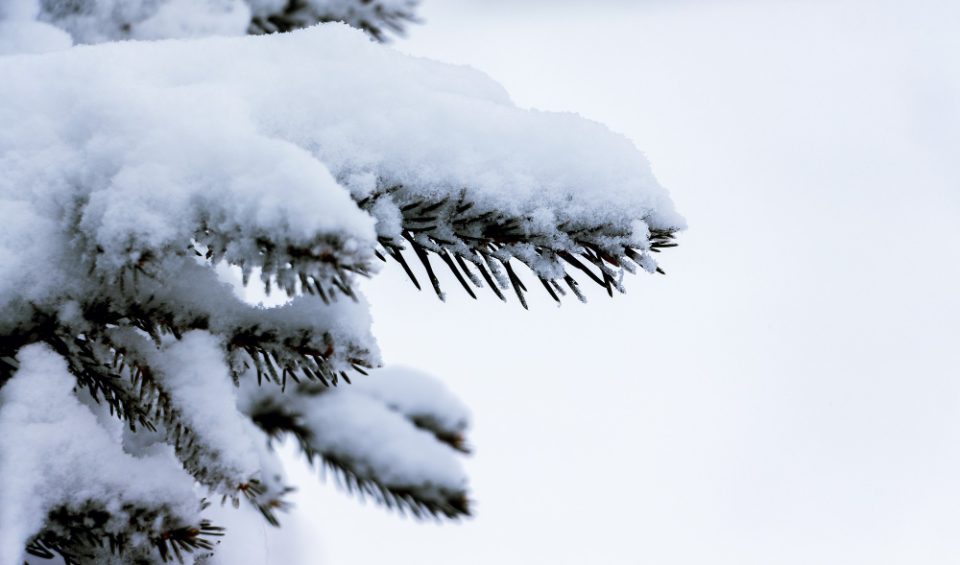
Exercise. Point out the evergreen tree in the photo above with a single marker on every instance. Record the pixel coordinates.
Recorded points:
(94, 21)
(136, 388)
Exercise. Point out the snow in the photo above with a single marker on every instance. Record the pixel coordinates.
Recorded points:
(19, 10)
(130, 178)
(418, 396)
(393, 428)
(194, 18)
(379, 443)
(270, 469)
(28, 37)
(387, 427)
(788, 393)
(188, 293)
(56, 454)
(350, 10)
(147, 151)
(379, 13)
(192, 371)
(97, 21)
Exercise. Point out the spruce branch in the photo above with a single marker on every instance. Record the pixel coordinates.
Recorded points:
(279, 348)
(276, 360)
(465, 237)
(85, 536)
(187, 540)
(114, 299)
(266, 502)
(372, 16)
(449, 436)
(278, 418)
(205, 463)
(322, 267)
(424, 502)
(98, 368)
(90, 361)
(325, 266)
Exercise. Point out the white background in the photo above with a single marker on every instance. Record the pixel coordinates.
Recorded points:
(789, 392)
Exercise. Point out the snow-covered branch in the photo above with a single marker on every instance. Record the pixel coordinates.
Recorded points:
(376, 17)
(68, 484)
(132, 173)
(97, 21)
(393, 435)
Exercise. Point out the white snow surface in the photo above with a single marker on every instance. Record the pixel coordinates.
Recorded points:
(195, 375)
(55, 453)
(416, 395)
(379, 442)
(258, 135)
(19, 10)
(193, 18)
(26, 37)
(370, 425)
(96, 21)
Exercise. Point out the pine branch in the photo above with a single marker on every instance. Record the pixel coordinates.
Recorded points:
(267, 502)
(296, 359)
(461, 236)
(372, 16)
(186, 540)
(94, 365)
(451, 437)
(206, 464)
(115, 366)
(322, 267)
(277, 419)
(422, 503)
(422, 400)
(264, 339)
(84, 537)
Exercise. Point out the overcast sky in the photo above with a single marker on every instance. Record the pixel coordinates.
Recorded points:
(788, 393)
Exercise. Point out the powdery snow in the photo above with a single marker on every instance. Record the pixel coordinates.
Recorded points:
(96, 21)
(28, 37)
(139, 151)
(379, 443)
(417, 395)
(129, 170)
(398, 438)
(194, 374)
(56, 454)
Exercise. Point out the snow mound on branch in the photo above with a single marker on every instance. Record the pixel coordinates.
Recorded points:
(56, 454)
(380, 443)
(198, 381)
(122, 152)
(398, 439)
(418, 396)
